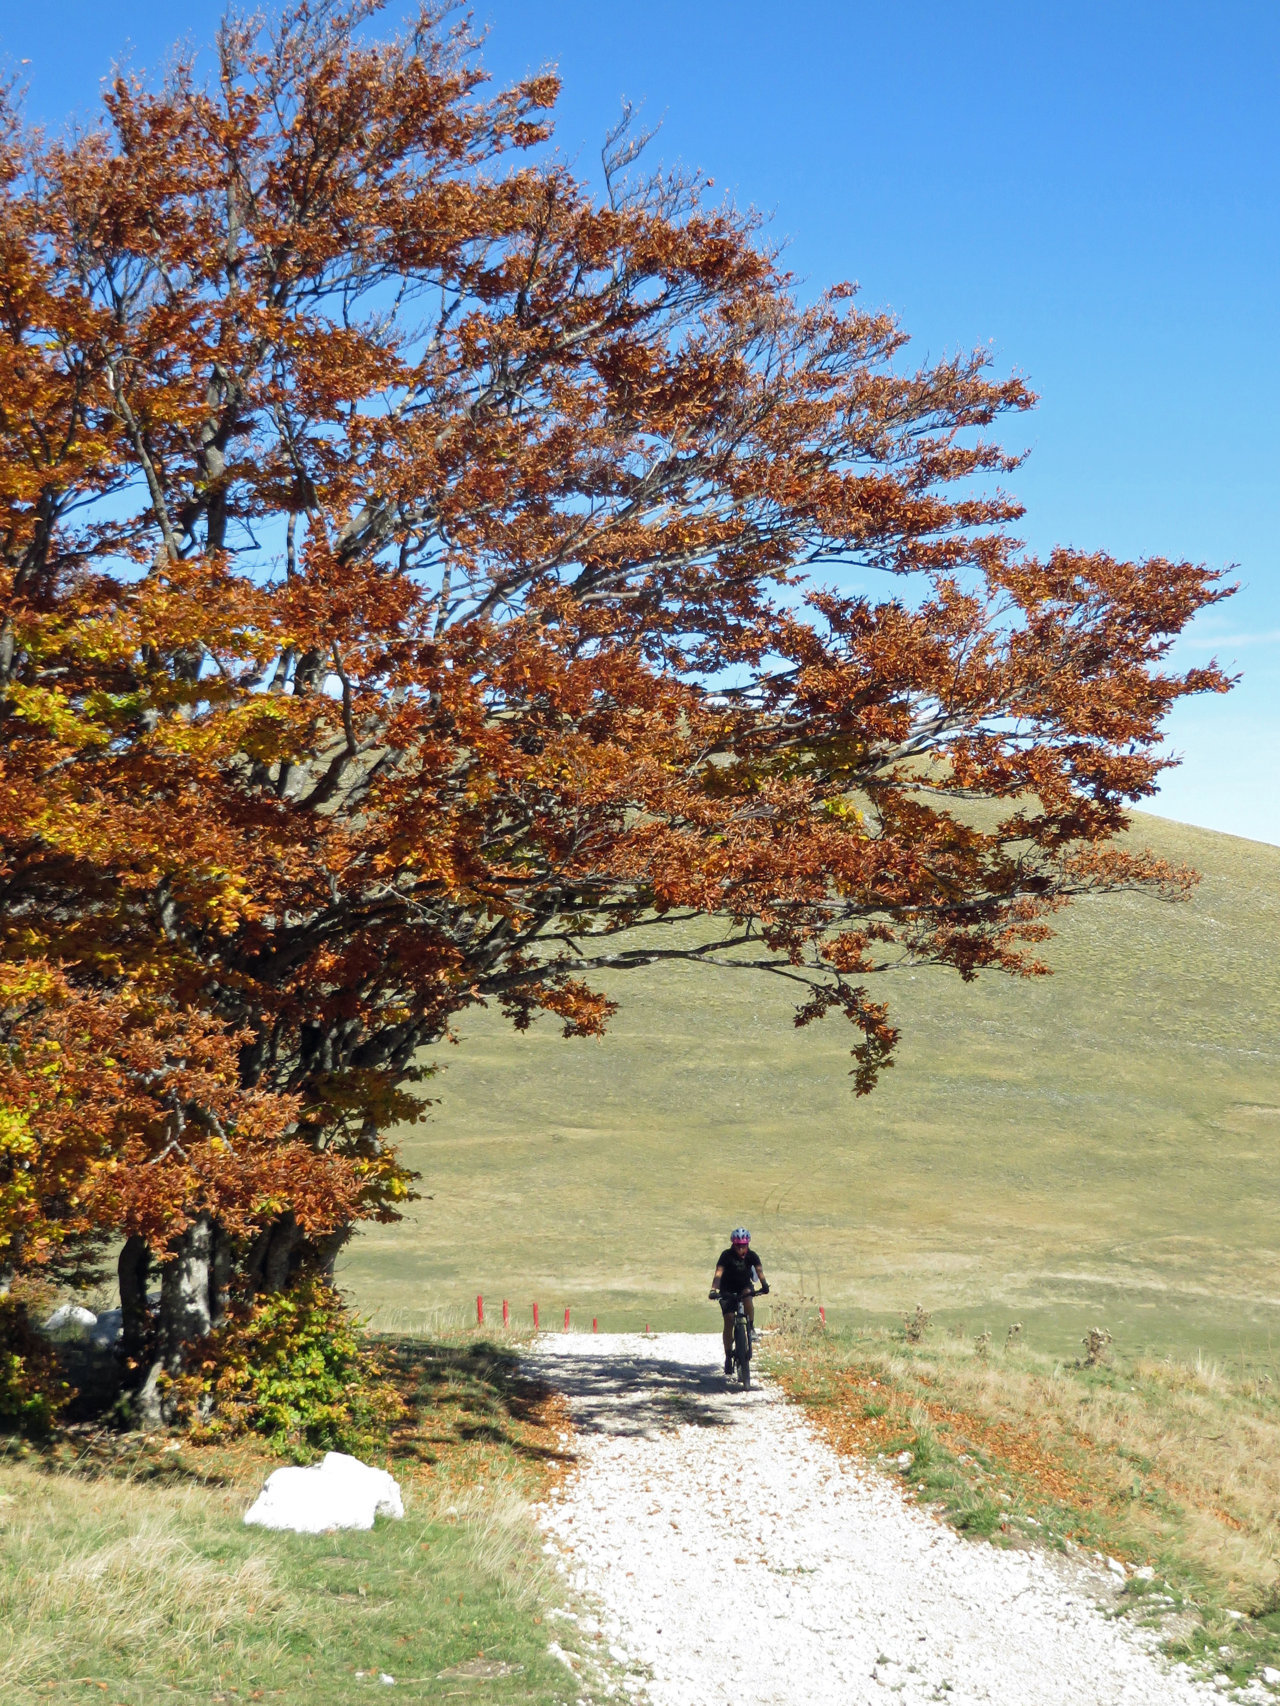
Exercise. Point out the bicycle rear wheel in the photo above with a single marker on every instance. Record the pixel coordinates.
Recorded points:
(742, 1352)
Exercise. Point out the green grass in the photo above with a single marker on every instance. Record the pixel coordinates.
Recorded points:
(1099, 1146)
(127, 1575)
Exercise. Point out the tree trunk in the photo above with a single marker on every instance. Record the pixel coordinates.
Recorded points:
(132, 1269)
(219, 1274)
(273, 1258)
(186, 1314)
(328, 1249)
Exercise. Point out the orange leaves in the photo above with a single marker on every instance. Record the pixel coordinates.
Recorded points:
(123, 1113)
(585, 1013)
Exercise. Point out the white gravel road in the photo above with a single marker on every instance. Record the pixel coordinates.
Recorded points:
(732, 1556)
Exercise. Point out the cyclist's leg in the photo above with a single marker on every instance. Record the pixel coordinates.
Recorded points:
(751, 1311)
(727, 1316)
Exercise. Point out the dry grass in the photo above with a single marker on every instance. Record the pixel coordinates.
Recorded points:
(98, 1573)
(1171, 1465)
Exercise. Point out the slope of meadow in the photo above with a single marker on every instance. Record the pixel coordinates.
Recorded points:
(1099, 1145)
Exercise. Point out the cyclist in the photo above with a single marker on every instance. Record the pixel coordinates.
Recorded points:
(735, 1269)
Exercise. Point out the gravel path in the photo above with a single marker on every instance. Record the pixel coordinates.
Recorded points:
(734, 1557)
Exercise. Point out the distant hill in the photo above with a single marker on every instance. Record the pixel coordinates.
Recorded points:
(1101, 1145)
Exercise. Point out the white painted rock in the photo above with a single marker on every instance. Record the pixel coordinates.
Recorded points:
(341, 1492)
(71, 1318)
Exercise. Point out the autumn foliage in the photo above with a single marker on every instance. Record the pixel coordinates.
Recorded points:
(427, 581)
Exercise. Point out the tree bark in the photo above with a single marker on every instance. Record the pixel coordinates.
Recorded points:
(329, 1248)
(132, 1270)
(274, 1256)
(186, 1315)
(219, 1274)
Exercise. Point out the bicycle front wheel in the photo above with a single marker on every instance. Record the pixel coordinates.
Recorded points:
(742, 1352)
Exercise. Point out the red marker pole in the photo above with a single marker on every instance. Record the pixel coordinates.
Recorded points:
(822, 1312)
(566, 1317)
(506, 1313)
(479, 1310)
(595, 1325)
(535, 1317)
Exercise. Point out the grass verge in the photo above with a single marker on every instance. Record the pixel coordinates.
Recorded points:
(1172, 1469)
(128, 1577)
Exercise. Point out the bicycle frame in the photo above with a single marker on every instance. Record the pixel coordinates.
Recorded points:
(742, 1338)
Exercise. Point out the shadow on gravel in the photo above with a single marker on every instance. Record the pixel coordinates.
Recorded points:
(639, 1395)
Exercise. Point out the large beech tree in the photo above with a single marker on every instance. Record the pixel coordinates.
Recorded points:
(427, 582)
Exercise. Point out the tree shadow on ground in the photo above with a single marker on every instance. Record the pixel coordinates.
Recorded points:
(620, 1394)
(474, 1394)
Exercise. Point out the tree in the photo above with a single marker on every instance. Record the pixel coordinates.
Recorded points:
(427, 583)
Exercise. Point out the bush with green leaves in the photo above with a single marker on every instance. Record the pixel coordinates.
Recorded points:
(295, 1368)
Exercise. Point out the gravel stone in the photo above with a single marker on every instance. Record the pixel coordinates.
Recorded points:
(734, 1556)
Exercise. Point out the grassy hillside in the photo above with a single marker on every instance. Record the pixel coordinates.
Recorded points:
(1100, 1146)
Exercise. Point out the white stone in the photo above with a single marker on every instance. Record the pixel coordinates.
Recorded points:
(1270, 1674)
(71, 1318)
(1145, 1573)
(1117, 1568)
(107, 1329)
(341, 1492)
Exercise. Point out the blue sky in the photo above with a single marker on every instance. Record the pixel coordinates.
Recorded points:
(1090, 189)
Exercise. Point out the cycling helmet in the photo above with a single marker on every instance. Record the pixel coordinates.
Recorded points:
(739, 1235)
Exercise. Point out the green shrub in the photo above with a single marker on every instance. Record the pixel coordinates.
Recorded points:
(295, 1368)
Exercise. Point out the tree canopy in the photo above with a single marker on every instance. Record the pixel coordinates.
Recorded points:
(429, 580)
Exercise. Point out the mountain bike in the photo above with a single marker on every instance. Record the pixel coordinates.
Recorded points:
(742, 1338)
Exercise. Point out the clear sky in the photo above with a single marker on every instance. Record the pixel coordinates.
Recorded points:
(1092, 189)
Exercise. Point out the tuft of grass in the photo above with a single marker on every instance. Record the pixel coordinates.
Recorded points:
(127, 1575)
(1171, 1467)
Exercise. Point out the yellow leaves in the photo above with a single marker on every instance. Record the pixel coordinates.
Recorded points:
(25, 980)
(231, 896)
(843, 812)
(16, 1136)
(51, 711)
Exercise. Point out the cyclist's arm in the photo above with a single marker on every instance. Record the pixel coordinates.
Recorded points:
(760, 1279)
(717, 1276)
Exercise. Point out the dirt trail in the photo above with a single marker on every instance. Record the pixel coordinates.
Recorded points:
(732, 1557)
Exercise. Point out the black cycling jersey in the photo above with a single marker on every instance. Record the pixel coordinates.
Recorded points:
(738, 1272)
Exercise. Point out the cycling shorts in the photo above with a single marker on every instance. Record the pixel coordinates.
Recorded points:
(729, 1301)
